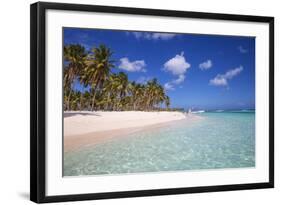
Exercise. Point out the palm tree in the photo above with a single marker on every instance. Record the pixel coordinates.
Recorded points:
(160, 95)
(151, 89)
(102, 88)
(122, 87)
(137, 92)
(132, 90)
(98, 68)
(110, 88)
(74, 60)
(117, 88)
(74, 100)
(167, 102)
(87, 99)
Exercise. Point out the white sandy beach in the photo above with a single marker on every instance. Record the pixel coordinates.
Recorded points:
(77, 123)
(88, 128)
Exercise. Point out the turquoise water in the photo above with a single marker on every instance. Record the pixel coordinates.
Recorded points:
(218, 140)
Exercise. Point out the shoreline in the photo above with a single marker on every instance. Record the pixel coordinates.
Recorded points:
(75, 142)
(140, 121)
(83, 122)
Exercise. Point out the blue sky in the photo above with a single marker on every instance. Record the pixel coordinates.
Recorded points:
(199, 71)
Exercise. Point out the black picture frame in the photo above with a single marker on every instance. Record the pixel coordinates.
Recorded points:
(38, 101)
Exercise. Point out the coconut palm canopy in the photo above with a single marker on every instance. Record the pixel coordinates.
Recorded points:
(103, 88)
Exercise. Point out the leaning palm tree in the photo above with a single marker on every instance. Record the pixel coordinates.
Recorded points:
(167, 102)
(132, 92)
(74, 60)
(150, 93)
(87, 98)
(122, 88)
(74, 100)
(98, 68)
(110, 89)
(160, 95)
(117, 88)
(137, 93)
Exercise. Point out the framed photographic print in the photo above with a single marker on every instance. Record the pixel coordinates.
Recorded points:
(129, 102)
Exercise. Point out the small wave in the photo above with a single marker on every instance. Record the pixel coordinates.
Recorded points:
(244, 110)
(248, 111)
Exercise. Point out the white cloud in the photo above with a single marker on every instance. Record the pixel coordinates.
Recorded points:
(231, 73)
(219, 81)
(154, 36)
(206, 65)
(222, 79)
(132, 66)
(179, 80)
(242, 50)
(177, 66)
(169, 86)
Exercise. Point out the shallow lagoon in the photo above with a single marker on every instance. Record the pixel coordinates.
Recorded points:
(218, 140)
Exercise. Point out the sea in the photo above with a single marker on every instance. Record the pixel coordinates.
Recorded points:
(218, 140)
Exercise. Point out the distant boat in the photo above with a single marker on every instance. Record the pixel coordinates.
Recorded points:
(198, 111)
(195, 111)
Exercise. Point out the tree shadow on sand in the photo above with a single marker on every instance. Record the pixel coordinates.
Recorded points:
(70, 114)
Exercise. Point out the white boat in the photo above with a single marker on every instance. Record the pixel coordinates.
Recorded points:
(194, 112)
(198, 111)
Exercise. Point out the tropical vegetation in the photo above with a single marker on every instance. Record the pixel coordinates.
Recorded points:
(101, 87)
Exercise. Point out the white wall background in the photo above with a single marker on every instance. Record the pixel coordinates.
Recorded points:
(14, 101)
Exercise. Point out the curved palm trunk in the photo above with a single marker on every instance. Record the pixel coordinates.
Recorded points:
(68, 99)
(81, 102)
(107, 101)
(70, 90)
(94, 96)
(148, 103)
(93, 101)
